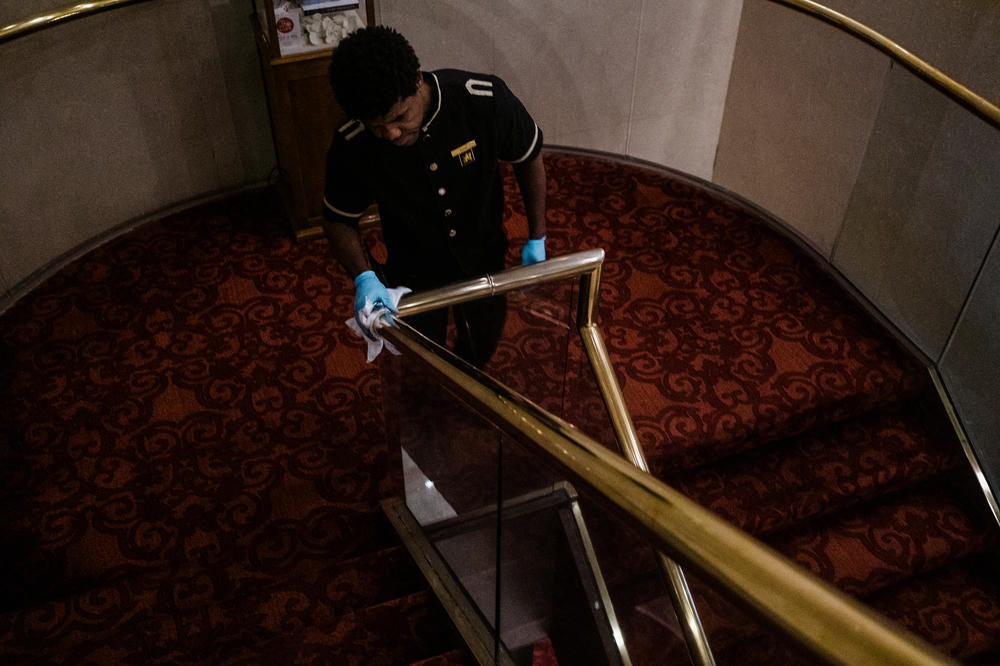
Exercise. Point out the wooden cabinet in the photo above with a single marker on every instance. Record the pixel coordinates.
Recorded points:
(304, 117)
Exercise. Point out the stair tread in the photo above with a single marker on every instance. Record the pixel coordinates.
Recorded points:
(958, 606)
(713, 362)
(406, 628)
(865, 551)
(869, 547)
(325, 534)
(398, 631)
(770, 489)
(456, 657)
(157, 607)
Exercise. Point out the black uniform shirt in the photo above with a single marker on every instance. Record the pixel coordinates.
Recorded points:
(441, 199)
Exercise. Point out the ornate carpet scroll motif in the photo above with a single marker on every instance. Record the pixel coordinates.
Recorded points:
(954, 607)
(191, 447)
(714, 316)
(759, 388)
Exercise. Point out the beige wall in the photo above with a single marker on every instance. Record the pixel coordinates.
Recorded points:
(645, 78)
(923, 211)
(971, 366)
(893, 183)
(802, 102)
(884, 176)
(112, 117)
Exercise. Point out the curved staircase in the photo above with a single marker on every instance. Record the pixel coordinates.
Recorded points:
(191, 455)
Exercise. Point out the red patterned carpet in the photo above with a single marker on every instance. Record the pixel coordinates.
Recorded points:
(192, 451)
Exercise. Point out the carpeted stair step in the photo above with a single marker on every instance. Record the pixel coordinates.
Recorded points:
(254, 624)
(863, 550)
(676, 437)
(955, 608)
(649, 639)
(456, 657)
(761, 647)
(95, 557)
(809, 476)
(311, 597)
(723, 333)
(398, 631)
(867, 548)
(653, 635)
(160, 606)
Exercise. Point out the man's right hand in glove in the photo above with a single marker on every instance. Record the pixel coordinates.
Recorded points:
(368, 289)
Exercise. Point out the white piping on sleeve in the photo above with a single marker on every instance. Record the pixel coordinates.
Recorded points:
(530, 148)
(340, 212)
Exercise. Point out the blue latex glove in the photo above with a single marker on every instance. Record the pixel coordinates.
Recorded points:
(368, 289)
(533, 252)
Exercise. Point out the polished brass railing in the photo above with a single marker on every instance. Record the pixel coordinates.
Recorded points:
(42, 21)
(818, 617)
(972, 101)
(587, 265)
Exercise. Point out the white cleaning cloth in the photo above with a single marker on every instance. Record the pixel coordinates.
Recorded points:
(374, 318)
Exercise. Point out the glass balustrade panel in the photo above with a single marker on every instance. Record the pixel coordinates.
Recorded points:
(649, 625)
(531, 357)
(541, 357)
(450, 460)
(556, 575)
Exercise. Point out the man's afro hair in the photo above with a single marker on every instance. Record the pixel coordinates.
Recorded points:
(371, 70)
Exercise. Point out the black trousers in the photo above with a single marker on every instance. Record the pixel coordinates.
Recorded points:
(478, 327)
(478, 324)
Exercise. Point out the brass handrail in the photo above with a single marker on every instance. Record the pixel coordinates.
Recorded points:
(42, 21)
(820, 618)
(959, 93)
(586, 264)
(815, 615)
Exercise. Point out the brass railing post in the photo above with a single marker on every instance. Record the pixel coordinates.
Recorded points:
(593, 343)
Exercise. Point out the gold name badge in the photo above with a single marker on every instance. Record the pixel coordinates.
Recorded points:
(465, 154)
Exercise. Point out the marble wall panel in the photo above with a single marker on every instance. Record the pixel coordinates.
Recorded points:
(947, 34)
(575, 63)
(571, 63)
(606, 139)
(112, 117)
(923, 211)
(970, 367)
(802, 101)
(445, 33)
(684, 57)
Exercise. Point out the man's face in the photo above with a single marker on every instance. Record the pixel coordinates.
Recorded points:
(401, 125)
